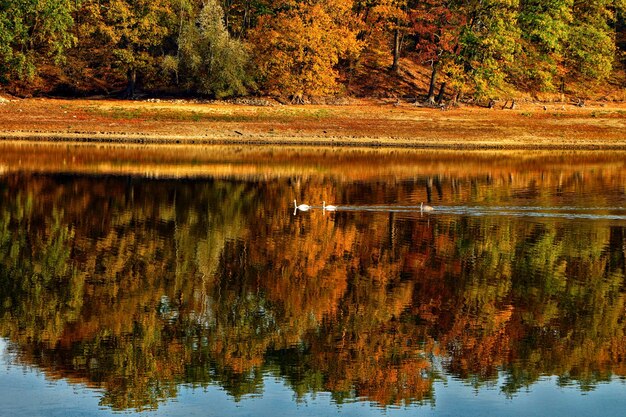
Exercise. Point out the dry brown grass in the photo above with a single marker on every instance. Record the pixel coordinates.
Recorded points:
(360, 123)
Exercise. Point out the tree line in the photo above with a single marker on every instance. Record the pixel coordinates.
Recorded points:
(300, 49)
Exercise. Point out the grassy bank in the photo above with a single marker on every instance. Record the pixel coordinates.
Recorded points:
(359, 123)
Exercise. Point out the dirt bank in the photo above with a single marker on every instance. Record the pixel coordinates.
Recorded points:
(360, 123)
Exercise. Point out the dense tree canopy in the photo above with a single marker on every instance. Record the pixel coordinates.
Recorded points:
(214, 63)
(299, 49)
(32, 32)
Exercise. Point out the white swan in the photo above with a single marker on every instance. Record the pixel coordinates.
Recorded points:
(329, 207)
(301, 207)
(426, 207)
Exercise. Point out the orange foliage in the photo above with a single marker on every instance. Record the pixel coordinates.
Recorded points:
(297, 51)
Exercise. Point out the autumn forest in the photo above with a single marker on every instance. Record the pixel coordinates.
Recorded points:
(303, 50)
(312, 207)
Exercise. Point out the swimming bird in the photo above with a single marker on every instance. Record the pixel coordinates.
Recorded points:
(426, 207)
(329, 207)
(301, 207)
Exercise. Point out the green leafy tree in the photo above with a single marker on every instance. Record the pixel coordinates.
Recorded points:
(472, 43)
(33, 32)
(545, 30)
(488, 45)
(131, 34)
(566, 40)
(591, 44)
(216, 63)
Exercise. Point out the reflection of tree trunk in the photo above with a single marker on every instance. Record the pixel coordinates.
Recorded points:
(396, 51)
(617, 239)
(439, 187)
(433, 81)
(131, 77)
(429, 189)
(442, 91)
(392, 231)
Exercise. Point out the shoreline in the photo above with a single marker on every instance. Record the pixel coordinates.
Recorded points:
(370, 124)
(43, 138)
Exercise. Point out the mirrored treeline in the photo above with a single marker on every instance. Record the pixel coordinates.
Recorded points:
(138, 286)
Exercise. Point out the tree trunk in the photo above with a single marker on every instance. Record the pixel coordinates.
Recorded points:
(396, 51)
(433, 82)
(244, 21)
(442, 91)
(131, 77)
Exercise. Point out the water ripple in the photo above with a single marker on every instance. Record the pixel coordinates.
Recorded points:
(563, 212)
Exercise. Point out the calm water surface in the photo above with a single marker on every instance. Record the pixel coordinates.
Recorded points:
(183, 283)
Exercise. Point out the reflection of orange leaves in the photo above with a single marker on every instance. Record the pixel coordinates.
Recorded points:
(616, 355)
(395, 385)
(362, 304)
(444, 244)
(415, 261)
(501, 317)
(378, 374)
(478, 347)
(380, 358)
(241, 364)
(429, 312)
(239, 355)
(312, 275)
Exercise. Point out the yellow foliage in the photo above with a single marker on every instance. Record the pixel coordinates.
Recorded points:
(297, 51)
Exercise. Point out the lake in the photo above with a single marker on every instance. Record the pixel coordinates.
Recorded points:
(180, 281)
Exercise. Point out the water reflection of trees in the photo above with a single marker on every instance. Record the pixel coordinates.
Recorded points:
(138, 286)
